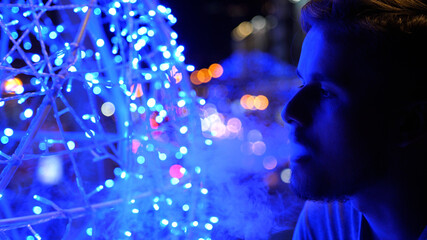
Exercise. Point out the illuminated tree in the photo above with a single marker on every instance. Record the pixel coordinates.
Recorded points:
(99, 129)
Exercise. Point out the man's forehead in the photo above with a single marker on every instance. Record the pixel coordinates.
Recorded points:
(341, 62)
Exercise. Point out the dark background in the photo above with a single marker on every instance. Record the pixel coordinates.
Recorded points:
(204, 28)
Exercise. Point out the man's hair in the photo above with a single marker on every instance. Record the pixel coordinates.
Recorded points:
(391, 32)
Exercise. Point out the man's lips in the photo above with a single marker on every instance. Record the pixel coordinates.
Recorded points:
(298, 152)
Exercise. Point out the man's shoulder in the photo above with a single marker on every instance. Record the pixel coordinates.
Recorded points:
(331, 220)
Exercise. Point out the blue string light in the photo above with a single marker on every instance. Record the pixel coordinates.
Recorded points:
(98, 94)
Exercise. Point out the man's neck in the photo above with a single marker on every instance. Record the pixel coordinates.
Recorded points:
(391, 211)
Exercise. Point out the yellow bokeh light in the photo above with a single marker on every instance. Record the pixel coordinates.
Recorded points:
(245, 28)
(261, 102)
(242, 31)
(108, 109)
(216, 70)
(235, 35)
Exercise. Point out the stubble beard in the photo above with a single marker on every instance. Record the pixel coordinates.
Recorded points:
(318, 186)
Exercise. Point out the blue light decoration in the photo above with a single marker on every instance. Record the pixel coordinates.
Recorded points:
(99, 126)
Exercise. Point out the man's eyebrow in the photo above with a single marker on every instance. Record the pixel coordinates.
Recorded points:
(318, 77)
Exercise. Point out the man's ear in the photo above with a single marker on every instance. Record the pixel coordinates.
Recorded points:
(412, 124)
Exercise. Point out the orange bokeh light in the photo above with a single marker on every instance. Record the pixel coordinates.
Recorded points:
(250, 102)
(204, 75)
(243, 101)
(194, 79)
(261, 102)
(216, 70)
(138, 91)
(13, 85)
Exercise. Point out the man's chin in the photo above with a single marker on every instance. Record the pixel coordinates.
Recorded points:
(317, 192)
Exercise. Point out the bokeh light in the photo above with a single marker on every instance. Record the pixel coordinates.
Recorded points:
(216, 70)
(194, 78)
(259, 22)
(234, 125)
(108, 109)
(269, 162)
(176, 171)
(261, 102)
(246, 101)
(251, 102)
(242, 31)
(254, 135)
(50, 170)
(107, 112)
(285, 175)
(13, 86)
(204, 75)
(259, 148)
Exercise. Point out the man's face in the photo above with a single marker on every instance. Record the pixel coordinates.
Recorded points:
(337, 120)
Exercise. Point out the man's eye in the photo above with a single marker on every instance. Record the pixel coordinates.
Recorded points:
(324, 93)
(301, 86)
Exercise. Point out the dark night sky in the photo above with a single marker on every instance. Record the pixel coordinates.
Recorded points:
(204, 26)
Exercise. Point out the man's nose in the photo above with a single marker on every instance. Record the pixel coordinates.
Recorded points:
(298, 111)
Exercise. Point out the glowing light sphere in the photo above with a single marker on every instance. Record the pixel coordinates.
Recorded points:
(261, 102)
(108, 109)
(8, 132)
(242, 31)
(285, 175)
(258, 148)
(247, 101)
(96, 103)
(176, 171)
(28, 113)
(194, 78)
(269, 162)
(250, 102)
(37, 210)
(50, 170)
(109, 183)
(254, 135)
(190, 68)
(216, 70)
(234, 125)
(13, 86)
(204, 75)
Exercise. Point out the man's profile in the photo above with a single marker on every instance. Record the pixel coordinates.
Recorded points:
(359, 121)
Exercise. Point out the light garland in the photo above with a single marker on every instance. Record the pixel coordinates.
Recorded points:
(88, 88)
